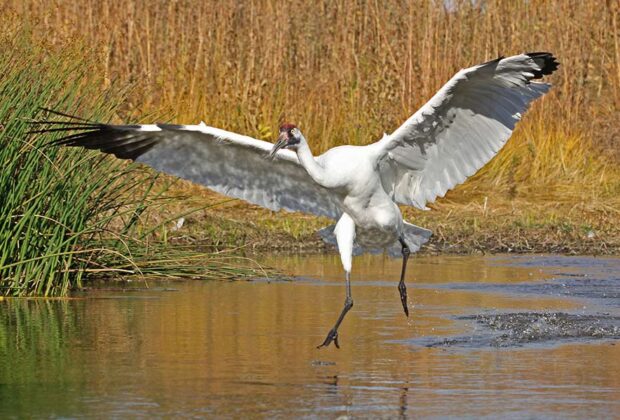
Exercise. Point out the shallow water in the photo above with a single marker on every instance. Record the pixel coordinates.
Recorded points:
(487, 336)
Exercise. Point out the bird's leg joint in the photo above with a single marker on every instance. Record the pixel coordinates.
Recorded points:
(348, 303)
(406, 251)
(402, 288)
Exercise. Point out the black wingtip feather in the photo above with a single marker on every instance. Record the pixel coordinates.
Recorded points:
(546, 61)
(122, 141)
(62, 114)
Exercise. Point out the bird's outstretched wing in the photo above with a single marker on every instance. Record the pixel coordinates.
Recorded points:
(461, 128)
(229, 163)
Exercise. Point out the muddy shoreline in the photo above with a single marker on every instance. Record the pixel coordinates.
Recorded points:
(519, 227)
(488, 244)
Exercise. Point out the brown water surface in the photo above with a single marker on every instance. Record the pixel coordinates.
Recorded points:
(237, 349)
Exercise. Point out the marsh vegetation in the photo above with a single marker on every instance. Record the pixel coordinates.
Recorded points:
(65, 213)
(345, 72)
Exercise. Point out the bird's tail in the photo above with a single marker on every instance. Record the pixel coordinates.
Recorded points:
(415, 237)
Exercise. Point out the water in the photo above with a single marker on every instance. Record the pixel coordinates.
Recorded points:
(488, 336)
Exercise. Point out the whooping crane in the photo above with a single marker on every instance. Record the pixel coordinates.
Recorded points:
(447, 140)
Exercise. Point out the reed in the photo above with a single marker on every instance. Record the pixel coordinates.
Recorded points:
(68, 212)
(46, 205)
(346, 71)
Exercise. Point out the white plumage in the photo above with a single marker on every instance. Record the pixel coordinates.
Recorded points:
(461, 128)
(237, 166)
(452, 136)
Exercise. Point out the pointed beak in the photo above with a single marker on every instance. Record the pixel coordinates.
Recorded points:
(281, 143)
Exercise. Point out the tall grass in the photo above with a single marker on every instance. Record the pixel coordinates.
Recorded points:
(49, 196)
(346, 71)
(66, 212)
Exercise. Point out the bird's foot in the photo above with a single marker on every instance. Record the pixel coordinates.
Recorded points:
(402, 289)
(331, 336)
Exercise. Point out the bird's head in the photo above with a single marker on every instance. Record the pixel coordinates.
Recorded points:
(290, 137)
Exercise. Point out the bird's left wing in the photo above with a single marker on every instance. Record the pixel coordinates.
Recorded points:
(461, 128)
(229, 163)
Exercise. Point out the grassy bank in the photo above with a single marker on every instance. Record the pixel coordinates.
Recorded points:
(345, 72)
(484, 224)
(48, 213)
(65, 213)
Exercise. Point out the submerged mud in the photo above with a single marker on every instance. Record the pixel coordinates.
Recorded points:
(518, 328)
(591, 284)
(527, 328)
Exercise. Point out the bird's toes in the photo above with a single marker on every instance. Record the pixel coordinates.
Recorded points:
(331, 336)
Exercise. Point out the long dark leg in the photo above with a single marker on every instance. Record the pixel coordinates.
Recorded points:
(348, 304)
(402, 289)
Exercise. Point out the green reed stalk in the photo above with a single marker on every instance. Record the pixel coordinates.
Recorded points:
(59, 207)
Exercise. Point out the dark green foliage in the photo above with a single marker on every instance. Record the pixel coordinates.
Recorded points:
(68, 211)
(53, 202)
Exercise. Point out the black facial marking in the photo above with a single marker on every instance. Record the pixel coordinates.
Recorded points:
(292, 140)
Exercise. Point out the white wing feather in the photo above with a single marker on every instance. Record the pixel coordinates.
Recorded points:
(238, 166)
(232, 164)
(461, 128)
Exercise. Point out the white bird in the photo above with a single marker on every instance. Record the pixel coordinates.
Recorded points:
(447, 140)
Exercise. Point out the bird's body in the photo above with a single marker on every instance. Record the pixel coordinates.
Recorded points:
(376, 216)
(361, 187)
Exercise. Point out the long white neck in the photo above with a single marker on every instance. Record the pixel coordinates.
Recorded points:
(316, 171)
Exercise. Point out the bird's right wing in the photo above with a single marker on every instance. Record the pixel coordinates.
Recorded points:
(229, 163)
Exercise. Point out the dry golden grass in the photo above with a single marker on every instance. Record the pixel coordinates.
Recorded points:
(483, 224)
(346, 71)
